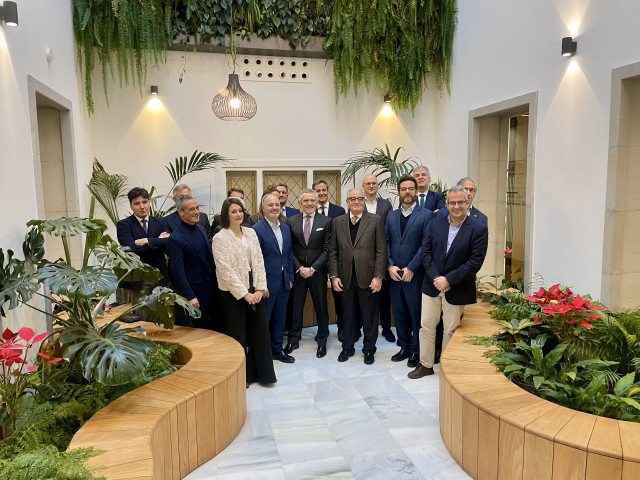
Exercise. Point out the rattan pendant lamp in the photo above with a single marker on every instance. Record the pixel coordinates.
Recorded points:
(233, 104)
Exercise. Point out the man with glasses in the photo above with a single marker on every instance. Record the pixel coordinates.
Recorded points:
(357, 263)
(405, 229)
(380, 206)
(453, 251)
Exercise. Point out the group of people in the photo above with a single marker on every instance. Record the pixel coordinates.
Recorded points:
(249, 274)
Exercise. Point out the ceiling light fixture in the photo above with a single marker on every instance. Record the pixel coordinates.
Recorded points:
(233, 104)
(9, 13)
(569, 47)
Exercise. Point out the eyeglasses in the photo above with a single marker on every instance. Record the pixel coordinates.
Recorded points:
(370, 184)
(355, 199)
(408, 189)
(457, 204)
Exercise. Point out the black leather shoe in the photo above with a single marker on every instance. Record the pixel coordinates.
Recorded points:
(368, 358)
(340, 336)
(344, 355)
(322, 351)
(290, 348)
(283, 357)
(389, 336)
(413, 361)
(401, 355)
(420, 371)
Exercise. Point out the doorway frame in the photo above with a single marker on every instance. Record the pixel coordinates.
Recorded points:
(523, 104)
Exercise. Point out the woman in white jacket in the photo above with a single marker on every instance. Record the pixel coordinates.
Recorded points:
(243, 286)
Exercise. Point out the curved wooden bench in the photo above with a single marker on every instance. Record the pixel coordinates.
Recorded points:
(169, 427)
(496, 430)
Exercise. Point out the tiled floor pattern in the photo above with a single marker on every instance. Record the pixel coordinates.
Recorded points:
(325, 419)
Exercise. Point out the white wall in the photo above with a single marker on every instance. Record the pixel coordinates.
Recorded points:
(22, 53)
(297, 125)
(507, 48)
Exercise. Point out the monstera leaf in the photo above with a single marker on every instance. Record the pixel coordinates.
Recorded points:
(110, 355)
(16, 286)
(69, 227)
(158, 308)
(125, 264)
(63, 279)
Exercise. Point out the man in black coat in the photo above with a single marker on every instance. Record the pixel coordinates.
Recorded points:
(192, 265)
(453, 250)
(173, 220)
(147, 237)
(311, 237)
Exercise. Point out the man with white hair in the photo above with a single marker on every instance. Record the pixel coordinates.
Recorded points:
(428, 199)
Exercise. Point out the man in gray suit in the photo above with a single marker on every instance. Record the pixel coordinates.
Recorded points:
(357, 264)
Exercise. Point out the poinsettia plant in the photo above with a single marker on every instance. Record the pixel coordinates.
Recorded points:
(16, 374)
(565, 312)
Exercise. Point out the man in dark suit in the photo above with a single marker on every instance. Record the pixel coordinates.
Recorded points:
(236, 193)
(147, 237)
(380, 206)
(283, 192)
(470, 187)
(173, 220)
(357, 264)
(453, 251)
(325, 207)
(405, 229)
(191, 263)
(311, 237)
(429, 199)
(275, 243)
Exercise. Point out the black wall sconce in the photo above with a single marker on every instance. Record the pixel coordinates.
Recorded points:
(154, 90)
(9, 13)
(569, 47)
(387, 98)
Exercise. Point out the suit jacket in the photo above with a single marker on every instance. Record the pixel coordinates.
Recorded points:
(474, 213)
(192, 268)
(290, 211)
(233, 260)
(274, 261)
(316, 253)
(404, 249)
(460, 265)
(173, 221)
(368, 252)
(129, 230)
(433, 201)
(333, 210)
(383, 207)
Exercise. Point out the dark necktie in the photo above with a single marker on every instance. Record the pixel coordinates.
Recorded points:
(422, 199)
(307, 229)
(144, 225)
(321, 210)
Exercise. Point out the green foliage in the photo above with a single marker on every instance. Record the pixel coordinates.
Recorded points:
(127, 34)
(397, 43)
(63, 279)
(107, 189)
(381, 163)
(439, 186)
(48, 420)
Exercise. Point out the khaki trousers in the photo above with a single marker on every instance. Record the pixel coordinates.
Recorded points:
(430, 317)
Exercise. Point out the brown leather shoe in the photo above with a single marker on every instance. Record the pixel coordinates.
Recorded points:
(420, 371)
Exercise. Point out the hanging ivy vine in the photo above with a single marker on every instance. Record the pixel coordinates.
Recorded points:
(397, 43)
(128, 34)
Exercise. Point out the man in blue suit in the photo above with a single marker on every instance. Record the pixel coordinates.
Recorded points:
(405, 230)
(147, 237)
(429, 199)
(275, 243)
(191, 263)
(453, 251)
(283, 192)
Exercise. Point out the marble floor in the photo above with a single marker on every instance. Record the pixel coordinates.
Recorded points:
(338, 420)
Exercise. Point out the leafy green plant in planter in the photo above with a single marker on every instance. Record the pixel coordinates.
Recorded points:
(105, 353)
(381, 163)
(110, 189)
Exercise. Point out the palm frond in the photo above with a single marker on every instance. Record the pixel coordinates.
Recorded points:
(380, 163)
(107, 189)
